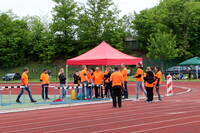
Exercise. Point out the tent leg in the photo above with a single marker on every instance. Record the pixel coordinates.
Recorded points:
(67, 76)
(197, 71)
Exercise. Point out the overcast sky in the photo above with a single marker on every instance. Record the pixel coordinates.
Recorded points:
(44, 7)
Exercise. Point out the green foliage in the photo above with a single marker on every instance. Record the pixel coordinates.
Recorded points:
(64, 27)
(162, 46)
(181, 17)
(13, 40)
(40, 46)
(99, 22)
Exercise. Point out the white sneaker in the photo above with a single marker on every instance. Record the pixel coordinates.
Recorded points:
(136, 99)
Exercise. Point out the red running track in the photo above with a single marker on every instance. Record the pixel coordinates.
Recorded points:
(176, 114)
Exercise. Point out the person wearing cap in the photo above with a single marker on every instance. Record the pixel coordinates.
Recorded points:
(44, 78)
(84, 83)
(98, 82)
(158, 81)
(25, 86)
(117, 82)
(124, 72)
(139, 81)
(149, 80)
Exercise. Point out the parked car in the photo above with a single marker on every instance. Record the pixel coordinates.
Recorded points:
(11, 76)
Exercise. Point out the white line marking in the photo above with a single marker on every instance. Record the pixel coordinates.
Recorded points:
(96, 112)
(162, 127)
(54, 125)
(148, 123)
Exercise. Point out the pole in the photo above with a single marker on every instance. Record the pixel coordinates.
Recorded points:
(197, 71)
(67, 76)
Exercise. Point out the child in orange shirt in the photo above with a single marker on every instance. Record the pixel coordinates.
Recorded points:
(44, 78)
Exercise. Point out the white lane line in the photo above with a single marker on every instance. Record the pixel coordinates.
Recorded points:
(148, 123)
(96, 114)
(76, 110)
(162, 127)
(54, 125)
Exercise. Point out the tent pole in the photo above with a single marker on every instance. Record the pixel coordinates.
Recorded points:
(67, 77)
(197, 71)
(103, 69)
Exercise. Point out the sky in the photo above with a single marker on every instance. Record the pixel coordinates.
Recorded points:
(44, 7)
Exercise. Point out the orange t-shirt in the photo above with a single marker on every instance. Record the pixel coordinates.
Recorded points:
(159, 75)
(98, 77)
(139, 72)
(90, 77)
(83, 76)
(125, 74)
(116, 78)
(45, 78)
(24, 79)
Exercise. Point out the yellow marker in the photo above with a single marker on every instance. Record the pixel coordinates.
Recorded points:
(73, 95)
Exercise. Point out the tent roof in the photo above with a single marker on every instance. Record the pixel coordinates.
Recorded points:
(192, 61)
(103, 54)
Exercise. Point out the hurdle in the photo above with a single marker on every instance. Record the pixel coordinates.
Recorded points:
(7, 88)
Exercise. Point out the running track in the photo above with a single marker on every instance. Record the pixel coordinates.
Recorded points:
(176, 114)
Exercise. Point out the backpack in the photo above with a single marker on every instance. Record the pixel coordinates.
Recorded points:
(150, 77)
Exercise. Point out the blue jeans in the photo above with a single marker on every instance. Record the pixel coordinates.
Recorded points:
(22, 92)
(89, 91)
(83, 91)
(63, 91)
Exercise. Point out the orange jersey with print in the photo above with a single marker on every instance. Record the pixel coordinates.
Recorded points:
(139, 72)
(116, 78)
(24, 79)
(90, 77)
(98, 77)
(125, 74)
(159, 75)
(83, 76)
(44, 77)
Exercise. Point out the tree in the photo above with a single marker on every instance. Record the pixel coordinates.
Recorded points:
(162, 46)
(99, 21)
(179, 17)
(41, 46)
(13, 40)
(64, 27)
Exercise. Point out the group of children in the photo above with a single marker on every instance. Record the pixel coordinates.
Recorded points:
(105, 84)
(149, 80)
(87, 79)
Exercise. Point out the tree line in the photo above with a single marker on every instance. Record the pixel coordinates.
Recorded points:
(167, 31)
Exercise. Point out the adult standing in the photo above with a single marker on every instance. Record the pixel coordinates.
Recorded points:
(117, 83)
(158, 81)
(149, 84)
(62, 80)
(84, 83)
(44, 78)
(139, 81)
(107, 82)
(98, 81)
(77, 81)
(124, 72)
(25, 86)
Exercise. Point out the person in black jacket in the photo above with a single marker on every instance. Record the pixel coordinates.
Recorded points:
(149, 79)
(107, 82)
(77, 81)
(62, 80)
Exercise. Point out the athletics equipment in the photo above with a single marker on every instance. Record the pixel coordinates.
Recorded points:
(169, 85)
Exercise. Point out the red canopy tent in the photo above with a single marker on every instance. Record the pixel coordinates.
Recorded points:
(103, 55)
